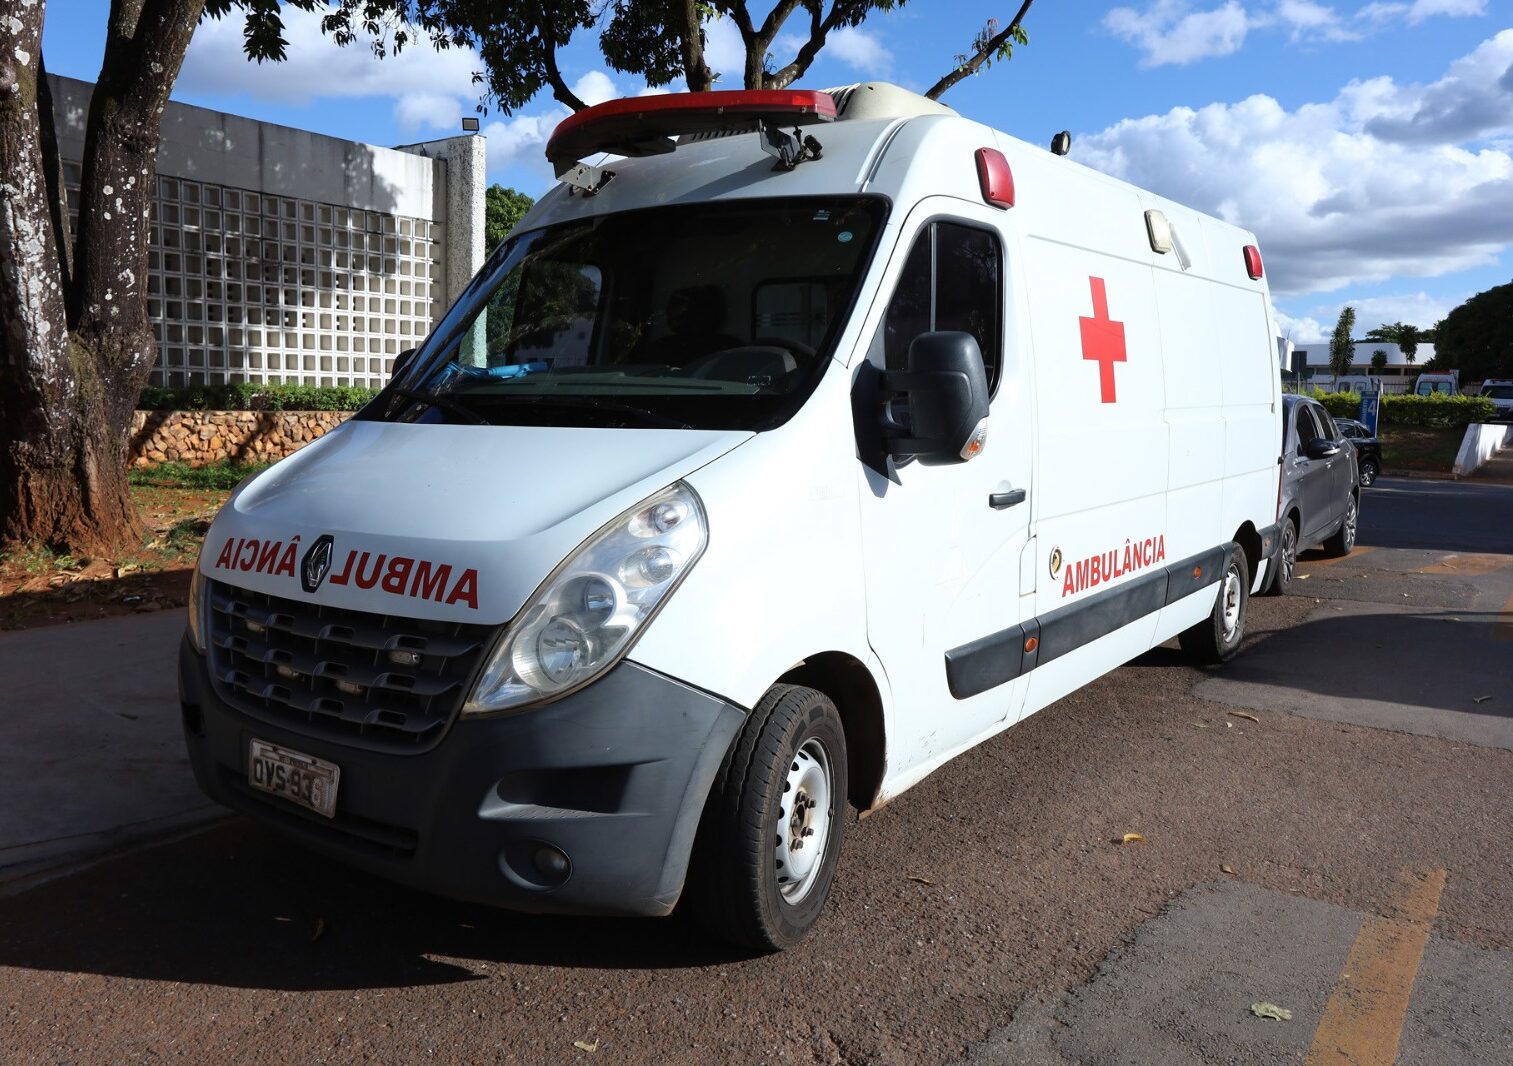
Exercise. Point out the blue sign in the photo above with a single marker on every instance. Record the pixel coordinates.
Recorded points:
(1370, 406)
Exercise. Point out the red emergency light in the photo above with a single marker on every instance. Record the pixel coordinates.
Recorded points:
(995, 177)
(1253, 262)
(645, 125)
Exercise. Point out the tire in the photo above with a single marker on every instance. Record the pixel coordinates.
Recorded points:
(1283, 573)
(1343, 541)
(1217, 637)
(1369, 471)
(751, 881)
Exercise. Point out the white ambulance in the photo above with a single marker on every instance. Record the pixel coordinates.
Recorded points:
(809, 441)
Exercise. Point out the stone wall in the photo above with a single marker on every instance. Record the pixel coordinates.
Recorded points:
(202, 437)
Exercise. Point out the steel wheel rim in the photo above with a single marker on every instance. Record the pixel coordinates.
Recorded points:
(1289, 553)
(805, 815)
(1230, 598)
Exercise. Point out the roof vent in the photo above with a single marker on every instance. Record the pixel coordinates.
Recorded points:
(870, 100)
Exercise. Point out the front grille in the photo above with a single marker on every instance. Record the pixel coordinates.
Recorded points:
(332, 673)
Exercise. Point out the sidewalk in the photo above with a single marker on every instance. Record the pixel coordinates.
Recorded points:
(91, 755)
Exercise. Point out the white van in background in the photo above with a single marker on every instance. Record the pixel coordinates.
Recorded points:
(1429, 384)
(1500, 392)
(762, 471)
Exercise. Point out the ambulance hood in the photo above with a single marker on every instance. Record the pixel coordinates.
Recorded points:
(450, 522)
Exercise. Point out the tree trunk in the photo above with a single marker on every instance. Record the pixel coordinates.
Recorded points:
(77, 357)
(59, 483)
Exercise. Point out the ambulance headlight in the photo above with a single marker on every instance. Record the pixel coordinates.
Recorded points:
(588, 613)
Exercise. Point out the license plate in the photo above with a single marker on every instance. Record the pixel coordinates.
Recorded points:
(299, 778)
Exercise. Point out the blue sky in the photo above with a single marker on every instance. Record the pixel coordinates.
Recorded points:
(1369, 144)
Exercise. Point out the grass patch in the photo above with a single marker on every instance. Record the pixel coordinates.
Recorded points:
(223, 475)
(1420, 447)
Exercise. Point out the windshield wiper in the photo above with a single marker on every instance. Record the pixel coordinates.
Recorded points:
(586, 403)
(450, 406)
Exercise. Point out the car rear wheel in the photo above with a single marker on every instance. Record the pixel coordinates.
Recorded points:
(1343, 540)
(1285, 565)
(772, 829)
(1217, 638)
(1369, 471)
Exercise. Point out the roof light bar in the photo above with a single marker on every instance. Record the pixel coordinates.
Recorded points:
(645, 125)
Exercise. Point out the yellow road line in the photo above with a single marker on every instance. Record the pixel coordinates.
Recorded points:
(1502, 629)
(1363, 1020)
(1340, 559)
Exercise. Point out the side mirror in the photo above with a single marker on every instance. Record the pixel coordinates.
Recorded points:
(402, 362)
(1319, 448)
(938, 412)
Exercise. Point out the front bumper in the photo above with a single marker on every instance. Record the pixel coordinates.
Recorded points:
(614, 776)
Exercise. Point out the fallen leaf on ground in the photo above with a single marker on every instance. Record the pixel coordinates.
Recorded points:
(1130, 838)
(1272, 1011)
(1303, 577)
(1480, 699)
(921, 880)
(584, 1045)
(1228, 869)
(1247, 717)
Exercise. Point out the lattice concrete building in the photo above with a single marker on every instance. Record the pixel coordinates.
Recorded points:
(280, 255)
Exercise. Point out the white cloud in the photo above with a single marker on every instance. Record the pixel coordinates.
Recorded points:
(316, 67)
(1169, 32)
(595, 87)
(1309, 21)
(859, 50)
(1298, 330)
(429, 111)
(1473, 100)
(724, 52)
(1415, 308)
(1333, 201)
(1174, 32)
(1419, 10)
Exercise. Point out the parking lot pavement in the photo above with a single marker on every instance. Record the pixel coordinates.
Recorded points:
(91, 752)
(1190, 986)
(996, 893)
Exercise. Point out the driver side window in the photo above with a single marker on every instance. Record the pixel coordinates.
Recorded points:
(952, 280)
(1308, 428)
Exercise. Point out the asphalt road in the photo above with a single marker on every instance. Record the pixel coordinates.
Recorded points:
(988, 916)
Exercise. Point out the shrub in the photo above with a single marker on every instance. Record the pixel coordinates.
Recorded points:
(248, 396)
(1438, 410)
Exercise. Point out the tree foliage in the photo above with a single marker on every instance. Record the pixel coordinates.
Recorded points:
(502, 211)
(1477, 337)
(1341, 347)
(1406, 337)
(1379, 360)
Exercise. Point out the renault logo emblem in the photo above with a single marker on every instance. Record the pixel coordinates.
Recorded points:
(316, 563)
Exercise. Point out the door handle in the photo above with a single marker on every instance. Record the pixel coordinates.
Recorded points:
(999, 500)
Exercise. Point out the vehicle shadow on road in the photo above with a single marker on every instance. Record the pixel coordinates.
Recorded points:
(239, 906)
(1415, 661)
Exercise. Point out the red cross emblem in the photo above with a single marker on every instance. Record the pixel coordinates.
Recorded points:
(1102, 341)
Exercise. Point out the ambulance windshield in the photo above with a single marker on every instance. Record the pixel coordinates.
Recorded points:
(711, 315)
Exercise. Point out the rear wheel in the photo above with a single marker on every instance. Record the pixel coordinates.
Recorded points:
(1369, 471)
(772, 829)
(1285, 566)
(1217, 637)
(1343, 540)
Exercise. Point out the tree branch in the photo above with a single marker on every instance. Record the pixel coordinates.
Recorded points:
(554, 77)
(982, 55)
(819, 30)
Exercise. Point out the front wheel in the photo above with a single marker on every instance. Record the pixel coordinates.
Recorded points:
(771, 834)
(1217, 637)
(1369, 472)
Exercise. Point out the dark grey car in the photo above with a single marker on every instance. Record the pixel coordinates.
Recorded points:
(1320, 500)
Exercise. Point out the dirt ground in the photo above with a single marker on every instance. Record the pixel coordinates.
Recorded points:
(38, 588)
